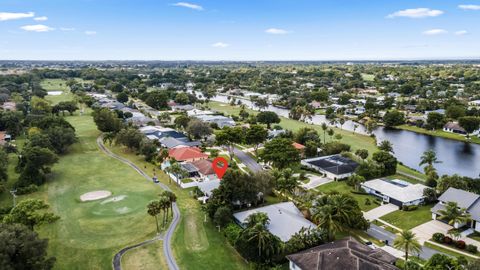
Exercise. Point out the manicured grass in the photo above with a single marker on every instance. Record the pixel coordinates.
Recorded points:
(407, 220)
(441, 133)
(368, 77)
(145, 258)
(95, 230)
(475, 236)
(196, 242)
(356, 140)
(342, 187)
(56, 85)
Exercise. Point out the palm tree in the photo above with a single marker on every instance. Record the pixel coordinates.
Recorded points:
(407, 241)
(341, 121)
(429, 157)
(172, 198)
(177, 170)
(355, 180)
(332, 213)
(386, 146)
(355, 126)
(108, 137)
(331, 133)
(164, 203)
(256, 231)
(324, 128)
(326, 220)
(257, 218)
(454, 214)
(154, 209)
(287, 183)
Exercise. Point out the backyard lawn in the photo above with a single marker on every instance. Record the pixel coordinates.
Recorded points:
(342, 187)
(441, 133)
(411, 219)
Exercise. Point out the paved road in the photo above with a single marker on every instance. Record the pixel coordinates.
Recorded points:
(167, 238)
(251, 163)
(382, 234)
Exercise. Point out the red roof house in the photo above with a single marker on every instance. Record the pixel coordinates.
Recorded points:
(187, 154)
(204, 166)
(298, 146)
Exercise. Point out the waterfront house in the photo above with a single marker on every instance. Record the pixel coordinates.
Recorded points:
(342, 254)
(397, 192)
(464, 199)
(334, 167)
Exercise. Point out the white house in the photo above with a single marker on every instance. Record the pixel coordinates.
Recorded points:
(397, 192)
(464, 199)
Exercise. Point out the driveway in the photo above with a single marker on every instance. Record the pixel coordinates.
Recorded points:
(315, 181)
(382, 235)
(380, 211)
(251, 163)
(425, 231)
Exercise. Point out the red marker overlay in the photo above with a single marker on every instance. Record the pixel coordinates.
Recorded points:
(221, 168)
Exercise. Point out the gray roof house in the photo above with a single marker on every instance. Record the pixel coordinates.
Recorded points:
(220, 120)
(334, 166)
(285, 219)
(464, 199)
(397, 192)
(342, 254)
(170, 142)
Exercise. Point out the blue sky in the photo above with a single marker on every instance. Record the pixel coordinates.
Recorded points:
(238, 29)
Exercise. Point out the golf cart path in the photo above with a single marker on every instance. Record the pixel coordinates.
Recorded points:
(167, 237)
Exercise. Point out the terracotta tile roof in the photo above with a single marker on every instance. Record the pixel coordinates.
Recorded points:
(186, 153)
(2, 135)
(298, 146)
(204, 166)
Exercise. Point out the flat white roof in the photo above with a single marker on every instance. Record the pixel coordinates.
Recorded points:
(398, 190)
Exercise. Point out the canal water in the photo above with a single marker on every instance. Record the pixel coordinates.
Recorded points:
(456, 157)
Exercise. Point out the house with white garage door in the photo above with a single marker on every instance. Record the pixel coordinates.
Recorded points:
(464, 199)
(397, 192)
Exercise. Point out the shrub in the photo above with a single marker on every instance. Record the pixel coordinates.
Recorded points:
(447, 240)
(460, 244)
(232, 231)
(367, 201)
(409, 207)
(438, 237)
(471, 248)
(27, 190)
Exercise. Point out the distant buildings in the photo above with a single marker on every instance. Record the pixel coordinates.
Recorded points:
(334, 167)
(220, 120)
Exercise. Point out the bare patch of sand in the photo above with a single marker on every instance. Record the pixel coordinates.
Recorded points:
(95, 195)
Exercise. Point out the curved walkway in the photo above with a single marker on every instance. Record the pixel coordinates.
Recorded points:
(167, 238)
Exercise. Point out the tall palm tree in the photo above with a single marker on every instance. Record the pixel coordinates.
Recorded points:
(324, 128)
(264, 240)
(177, 170)
(331, 133)
(172, 198)
(154, 209)
(341, 121)
(355, 126)
(164, 205)
(287, 183)
(332, 213)
(453, 214)
(326, 220)
(408, 242)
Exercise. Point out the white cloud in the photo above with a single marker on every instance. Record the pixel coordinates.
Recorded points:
(42, 18)
(67, 29)
(90, 33)
(433, 32)
(461, 32)
(276, 31)
(6, 16)
(220, 45)
(469, 7)
(416, 13)
(188, 5)
(37, 28)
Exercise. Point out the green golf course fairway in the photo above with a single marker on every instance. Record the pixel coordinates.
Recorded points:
(89, 233)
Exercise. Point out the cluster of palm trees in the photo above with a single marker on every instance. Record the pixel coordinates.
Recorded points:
(286, 182)
(164, 205)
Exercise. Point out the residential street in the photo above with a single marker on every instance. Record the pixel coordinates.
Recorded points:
(251, 163)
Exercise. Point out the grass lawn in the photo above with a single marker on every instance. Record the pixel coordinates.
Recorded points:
(145, 258)
(368, 77)
(95, 230)
(56, 85)
(441, 133)
(447, 251)
(475, 236)
(342, 187)
(411, 219)
(196, 242)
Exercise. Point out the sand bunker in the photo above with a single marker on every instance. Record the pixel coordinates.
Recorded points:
(95, 195)
(54, 93)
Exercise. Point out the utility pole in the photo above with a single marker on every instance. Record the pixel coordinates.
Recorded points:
(14, 195)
